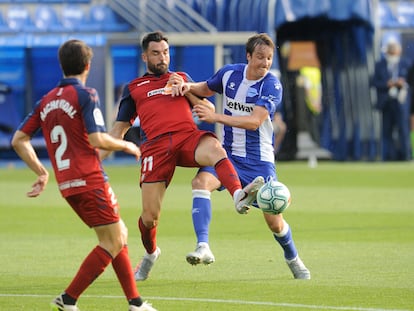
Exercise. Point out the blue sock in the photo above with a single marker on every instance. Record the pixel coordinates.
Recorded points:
(285, 240)
(201, 213)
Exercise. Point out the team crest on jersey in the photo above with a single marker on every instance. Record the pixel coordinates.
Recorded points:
(270, 98)
(252, 92)
(98, 117)
(278, 86)
(231, 86)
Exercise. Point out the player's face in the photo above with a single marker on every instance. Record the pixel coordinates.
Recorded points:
(157, 57)
(259, 62)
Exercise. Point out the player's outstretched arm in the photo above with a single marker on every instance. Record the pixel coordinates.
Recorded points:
(250, 122)
(118, 131)
(104, 141)
(179, 87)
(195, 101)
(24, 149)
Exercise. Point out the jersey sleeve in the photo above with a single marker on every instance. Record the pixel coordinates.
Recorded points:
(186, 77)
(270, 96)
(127, 109)
(91, 111)
(215, 82)
(31, 123)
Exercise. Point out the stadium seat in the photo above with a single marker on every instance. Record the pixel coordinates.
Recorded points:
(405, 13)
(106, 19)
(46, 19)
(72, 17)
(18, 18)
(4, 28)
(386, 16)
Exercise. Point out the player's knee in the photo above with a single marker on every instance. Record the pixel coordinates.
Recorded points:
(124, 232)
(276, 228)
(117, 246)
(112, 246)
(198, 183)
(205, 181)
(215, 149)
(275, 223)
(149, 220)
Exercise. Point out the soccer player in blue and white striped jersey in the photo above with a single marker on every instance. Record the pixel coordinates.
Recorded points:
(251, 96)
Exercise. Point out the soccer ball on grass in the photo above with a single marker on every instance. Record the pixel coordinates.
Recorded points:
(273, 197)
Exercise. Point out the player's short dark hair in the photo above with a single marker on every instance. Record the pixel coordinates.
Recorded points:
(74, 56)
(258, 39)
(156, 36)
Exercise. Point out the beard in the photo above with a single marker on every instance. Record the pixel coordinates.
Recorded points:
(157, 69)
(392, 59)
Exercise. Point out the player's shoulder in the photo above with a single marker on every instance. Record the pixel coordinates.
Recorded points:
(87, 93)
(234, 67)
(184, 75)
(87, 89)
(271, 78)
(137, 83)
(138, 80)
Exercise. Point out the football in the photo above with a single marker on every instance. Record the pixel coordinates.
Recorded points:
(273, 197)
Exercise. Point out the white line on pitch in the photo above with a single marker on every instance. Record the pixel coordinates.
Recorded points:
(227, 301)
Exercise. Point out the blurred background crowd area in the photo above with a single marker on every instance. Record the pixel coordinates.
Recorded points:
(325, 58)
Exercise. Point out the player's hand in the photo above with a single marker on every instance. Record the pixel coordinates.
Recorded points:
(205, 113)
(38, 186)
(177, 84)
(184, 88)
(133, 149)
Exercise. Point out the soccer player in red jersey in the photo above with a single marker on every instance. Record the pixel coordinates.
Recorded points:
(73, 128)
(170, 138)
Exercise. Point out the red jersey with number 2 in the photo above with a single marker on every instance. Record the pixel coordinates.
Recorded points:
(66, 115)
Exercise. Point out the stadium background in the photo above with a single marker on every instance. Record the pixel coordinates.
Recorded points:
(347, 36)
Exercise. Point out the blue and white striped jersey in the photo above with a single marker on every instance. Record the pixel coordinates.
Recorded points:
(239, 98)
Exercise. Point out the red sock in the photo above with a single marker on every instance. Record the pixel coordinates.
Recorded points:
(92, 266)
(148, 237)
(228, 175)
(123, 269)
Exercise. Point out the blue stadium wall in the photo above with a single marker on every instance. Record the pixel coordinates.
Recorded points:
(343, 28)
(31, 71)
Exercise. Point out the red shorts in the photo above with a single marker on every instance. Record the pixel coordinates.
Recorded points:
(161, 155)
(96, 207)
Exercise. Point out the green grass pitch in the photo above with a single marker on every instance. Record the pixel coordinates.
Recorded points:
(353, 224)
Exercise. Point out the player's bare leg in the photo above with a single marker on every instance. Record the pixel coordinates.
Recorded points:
(152, 195)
